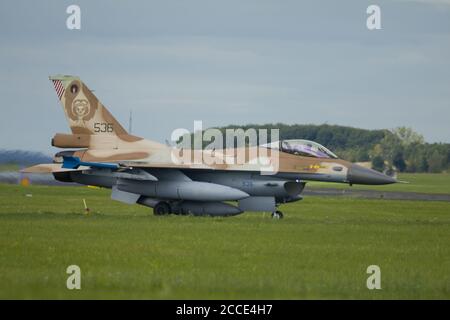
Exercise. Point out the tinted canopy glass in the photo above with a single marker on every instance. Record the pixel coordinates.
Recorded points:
(306, 148)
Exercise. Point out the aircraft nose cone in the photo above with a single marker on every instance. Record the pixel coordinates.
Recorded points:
(360, 175)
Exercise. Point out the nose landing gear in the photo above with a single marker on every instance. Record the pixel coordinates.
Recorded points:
(277, 215)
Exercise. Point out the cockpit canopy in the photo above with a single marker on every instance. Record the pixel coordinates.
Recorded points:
(306, 148)
(302, 147)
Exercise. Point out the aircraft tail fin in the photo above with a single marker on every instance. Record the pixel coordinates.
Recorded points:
(84, 112)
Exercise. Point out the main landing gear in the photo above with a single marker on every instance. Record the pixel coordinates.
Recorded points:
(277, 214)
(162, 208)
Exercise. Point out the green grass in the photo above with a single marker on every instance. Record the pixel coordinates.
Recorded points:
(417, 182)
(320, 250)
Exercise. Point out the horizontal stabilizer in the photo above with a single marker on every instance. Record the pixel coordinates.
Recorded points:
(50, 168)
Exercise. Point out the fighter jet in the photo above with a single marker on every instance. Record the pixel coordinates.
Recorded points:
(100, 152)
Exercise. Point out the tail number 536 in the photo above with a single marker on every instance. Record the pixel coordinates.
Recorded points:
(103, 127)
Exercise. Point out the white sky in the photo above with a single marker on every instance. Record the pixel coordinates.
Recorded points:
(223, 62)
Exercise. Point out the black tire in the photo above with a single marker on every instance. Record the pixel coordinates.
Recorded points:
(277, 215)
(161, 209)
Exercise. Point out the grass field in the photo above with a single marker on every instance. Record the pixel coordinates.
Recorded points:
(417, 182)
(320, 250)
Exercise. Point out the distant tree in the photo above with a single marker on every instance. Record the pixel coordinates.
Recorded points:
(408, 136)
(436, 162)
(326, 137)
(390, 145)
(423, 164)
(399, 162)
(376, 151)
(378, 163)
(362, 155)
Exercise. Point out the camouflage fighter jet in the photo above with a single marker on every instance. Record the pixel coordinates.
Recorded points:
(142, 171)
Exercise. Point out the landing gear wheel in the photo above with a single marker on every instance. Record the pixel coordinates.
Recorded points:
(162, 208)
(277, 215)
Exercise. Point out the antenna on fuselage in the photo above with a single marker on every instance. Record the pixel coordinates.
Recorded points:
(130, 121)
